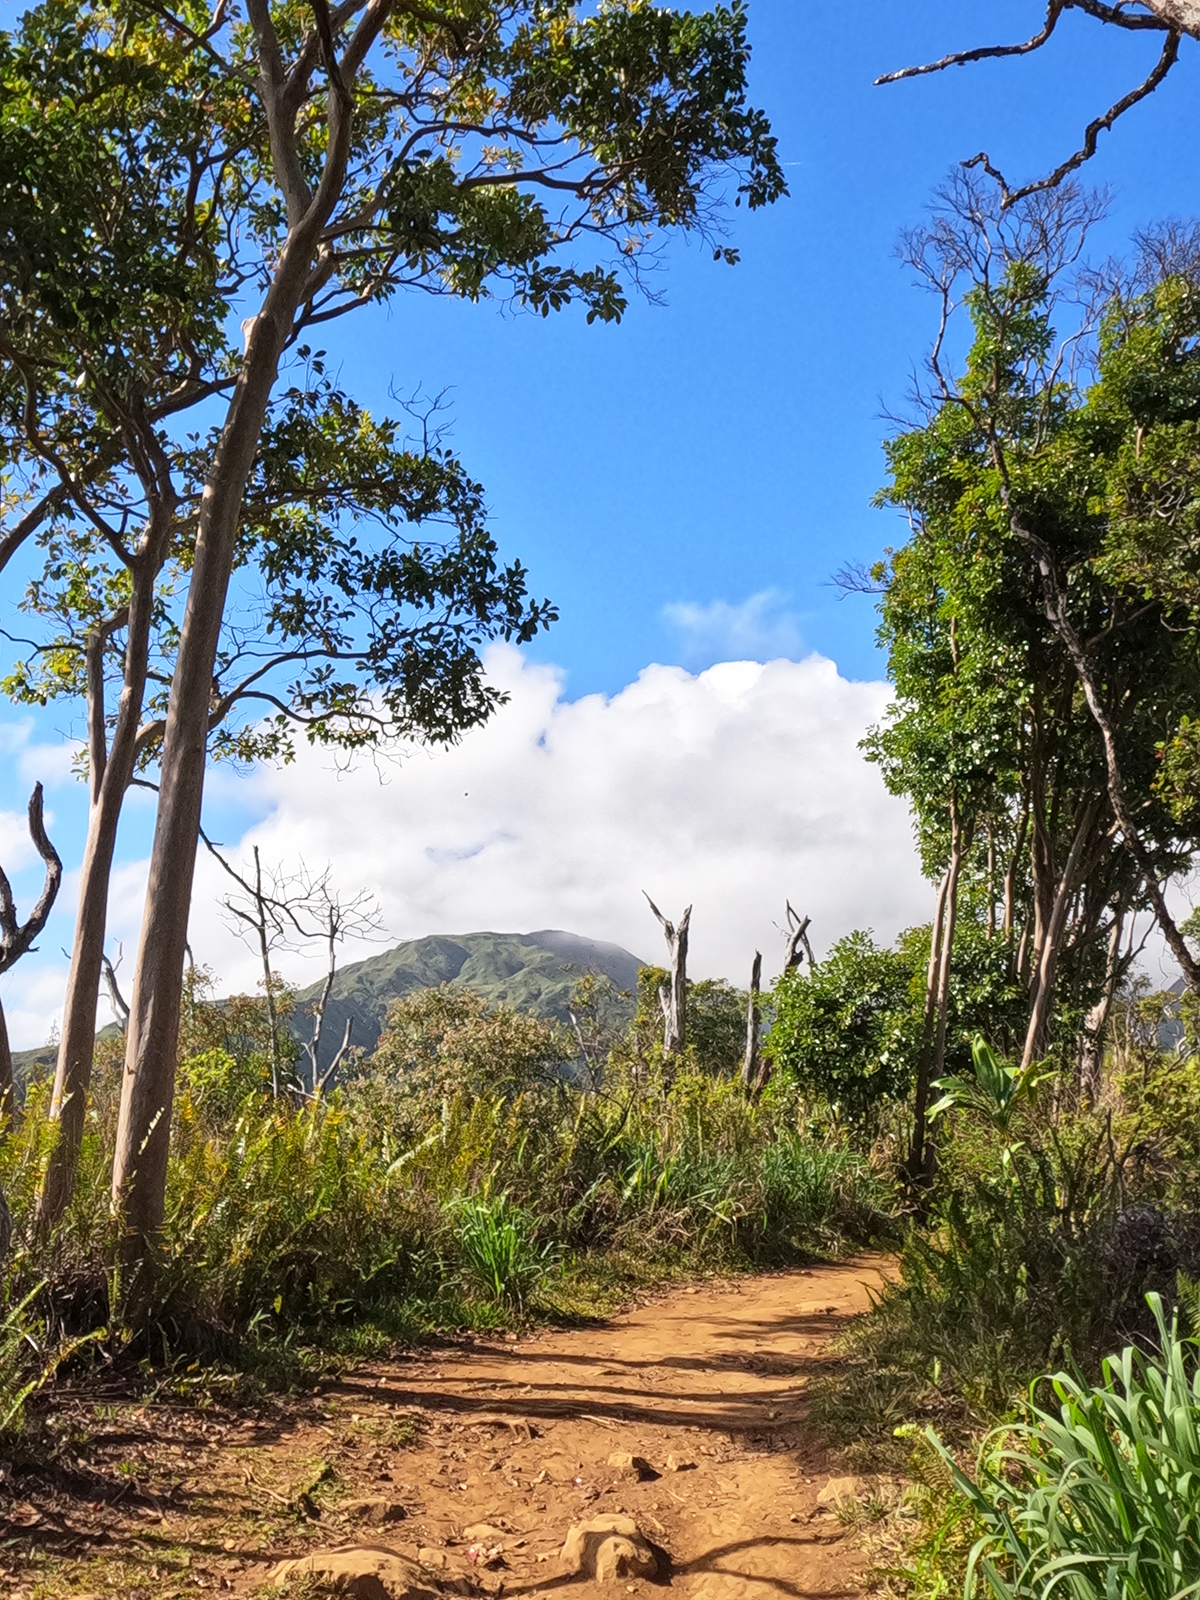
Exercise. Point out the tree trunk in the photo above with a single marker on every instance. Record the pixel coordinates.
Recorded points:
(751, 1061)
(674, 998)
(916, 1153)
(1014, 867)
(1091, 1053)
(148, 1082)
(109, 776)
(1181, 14)
(957, 851)
(1039, 1013)
(7, 1091)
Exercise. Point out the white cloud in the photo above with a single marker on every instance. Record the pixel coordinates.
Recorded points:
(757, 629)
(734, 789)
(16, 847)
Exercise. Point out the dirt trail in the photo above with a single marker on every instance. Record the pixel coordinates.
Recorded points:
(516, 1435)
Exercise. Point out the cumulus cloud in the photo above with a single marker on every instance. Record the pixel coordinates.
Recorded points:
(735, 789)
(758, 629)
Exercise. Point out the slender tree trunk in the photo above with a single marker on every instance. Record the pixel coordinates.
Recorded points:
(110, 771)
(318, 1028)
(148, 1082)
(1014, 867)
(1091, 1053)
(943, 984)
(751, 1060)
(1043, 996)
(674, 997)
(8, 1102)
(915, 1165)
(264, 951)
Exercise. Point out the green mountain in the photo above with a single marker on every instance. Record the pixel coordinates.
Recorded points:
(529, 971)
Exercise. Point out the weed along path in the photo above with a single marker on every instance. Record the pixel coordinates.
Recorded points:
(461, 1470)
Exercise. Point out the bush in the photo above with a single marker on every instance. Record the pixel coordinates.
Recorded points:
(497, 1243)
(1097, 1499)
(443, 1184)
(846, 1028)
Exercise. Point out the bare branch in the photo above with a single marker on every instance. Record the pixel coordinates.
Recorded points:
(17, 938)
(1168, 58)
(962, 58)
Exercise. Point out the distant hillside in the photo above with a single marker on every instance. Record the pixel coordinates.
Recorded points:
(529, 971)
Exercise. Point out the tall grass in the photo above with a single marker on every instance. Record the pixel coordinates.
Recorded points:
(499, 1250)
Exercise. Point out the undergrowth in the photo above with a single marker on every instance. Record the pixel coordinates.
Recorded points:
(297, 1233)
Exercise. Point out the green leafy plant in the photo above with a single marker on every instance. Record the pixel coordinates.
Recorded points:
(498, 1246)
(1097, 1500)
(998, 1092)
(27, 1360)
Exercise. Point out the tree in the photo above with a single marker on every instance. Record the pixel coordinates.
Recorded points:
(301, 165)
(752, 1058)
(355, 634)
(1035, 671)
(1172, 19)
(445, 1042)
(281, 910)
(843, 1027)
(673, 995)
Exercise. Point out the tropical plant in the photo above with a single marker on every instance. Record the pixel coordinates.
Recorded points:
(997, 1091)
(1096, 1499)
(499, 1249)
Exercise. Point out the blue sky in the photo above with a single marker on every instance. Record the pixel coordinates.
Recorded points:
(726, 442)
(684, 485)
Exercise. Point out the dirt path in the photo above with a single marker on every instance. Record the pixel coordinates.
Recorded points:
(707, 1385)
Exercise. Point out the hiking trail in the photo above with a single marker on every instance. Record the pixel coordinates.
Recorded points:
(705, 1384)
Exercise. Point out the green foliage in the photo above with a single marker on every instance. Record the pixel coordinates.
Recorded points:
(717, 1025)
(1097, 1498)
(845, 1029)
(998, 1091)
(1039, 1241)
(141, 215)
(447, 1041)
(458, 1178)
(28, 1360)
(496, 1239)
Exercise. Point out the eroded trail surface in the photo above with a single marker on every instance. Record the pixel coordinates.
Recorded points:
(705, 1385)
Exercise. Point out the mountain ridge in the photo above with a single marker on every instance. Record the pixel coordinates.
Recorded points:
(532, 972)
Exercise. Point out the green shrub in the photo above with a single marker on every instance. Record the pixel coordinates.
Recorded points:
(1098, 1499)
(846, 1028)
(497, 1242)
(292, 1226)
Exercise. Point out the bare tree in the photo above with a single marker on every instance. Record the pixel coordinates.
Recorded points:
(334, 919)
(120, 1006)
(752, 1061)
(16, 938)
(796, 933)
(1171, 18)
(673, 999)
(278, 910)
